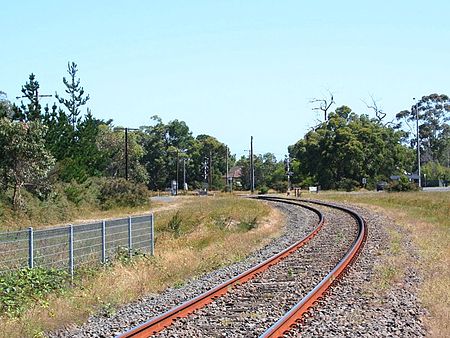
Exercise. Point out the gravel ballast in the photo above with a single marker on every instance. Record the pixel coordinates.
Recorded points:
(361, 304)
(299, 222)
(357, 306)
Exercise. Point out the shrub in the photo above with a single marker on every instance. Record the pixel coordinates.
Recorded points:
(263, 190)
(22, 288)
(280, 186)
(122, 193)
(403, 184)
(249, 224)
(347, 184)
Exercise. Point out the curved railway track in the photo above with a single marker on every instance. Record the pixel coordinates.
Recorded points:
(275, 294)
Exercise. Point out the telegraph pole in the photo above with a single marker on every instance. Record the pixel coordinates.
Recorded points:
(288, 170)
(226, 175)
(184, 174)
(178, 170)
(126, 154)
(418, 143)
(252, 168)
(210, 169)
(37, 97)
(126, 147)
(205, 168)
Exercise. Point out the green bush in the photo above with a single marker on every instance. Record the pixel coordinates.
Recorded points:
(249, 224)
(403, 184)
(347, 184)
(280, 186)
(263, 190)
(119, 192)
(22, 288)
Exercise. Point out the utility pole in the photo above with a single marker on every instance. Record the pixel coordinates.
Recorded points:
(178, 170)
(205, 168)
(126, 154)
(288, 171)
(226, 175)
(205, 176)
(252, 168)
(37, 97)
(184, 174)
(418, 143)
(126, 147)
(210, 169)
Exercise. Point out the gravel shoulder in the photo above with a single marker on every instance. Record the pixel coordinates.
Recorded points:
(378, 295)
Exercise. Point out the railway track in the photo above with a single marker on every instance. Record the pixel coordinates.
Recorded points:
(271, 297)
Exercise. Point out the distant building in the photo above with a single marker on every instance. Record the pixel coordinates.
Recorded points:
(234, 175)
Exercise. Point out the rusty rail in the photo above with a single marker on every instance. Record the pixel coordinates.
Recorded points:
(158, 323)
(300, 309)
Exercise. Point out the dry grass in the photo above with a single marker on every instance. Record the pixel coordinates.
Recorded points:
(426, 216)
(211, 235)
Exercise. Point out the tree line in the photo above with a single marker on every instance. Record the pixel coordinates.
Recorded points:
(42, 146)
(347, 149)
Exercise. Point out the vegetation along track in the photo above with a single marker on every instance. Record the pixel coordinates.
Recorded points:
(278, 292)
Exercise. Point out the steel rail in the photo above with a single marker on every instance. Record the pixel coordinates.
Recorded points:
(296, 314)
(160, 322)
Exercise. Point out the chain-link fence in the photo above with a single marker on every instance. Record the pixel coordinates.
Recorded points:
(76, 245)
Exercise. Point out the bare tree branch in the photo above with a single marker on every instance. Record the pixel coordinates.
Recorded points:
(324, 105)
(377, 110)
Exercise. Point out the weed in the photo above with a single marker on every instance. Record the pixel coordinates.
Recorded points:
(178, 284)
(388, 274)
(124, 256)
(223, 222)
(175, 223)
(20, 289)
(248, 225)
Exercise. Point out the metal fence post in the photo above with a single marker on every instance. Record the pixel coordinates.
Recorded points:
(103, 242)
(152, 236)
(130, 240)
(71, 250)
(30, 248)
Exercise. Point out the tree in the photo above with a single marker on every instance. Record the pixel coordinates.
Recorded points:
(109, 153)
(5, 106)
(210, 150)
(349, 147)
(433, 112)
(76, 95)
(59, 135)
(31, 111)
(164, 145)
(25, 161)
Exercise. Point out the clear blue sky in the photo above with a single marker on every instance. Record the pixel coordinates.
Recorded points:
(229, 68)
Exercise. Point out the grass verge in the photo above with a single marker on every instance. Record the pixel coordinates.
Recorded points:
(426, 216)
(200, 235)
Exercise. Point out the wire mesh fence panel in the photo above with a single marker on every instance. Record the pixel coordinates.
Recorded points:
(87, 243)
(51, 247)
(75, 246)
(116, 237)
(141, 235)
(14, 250)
